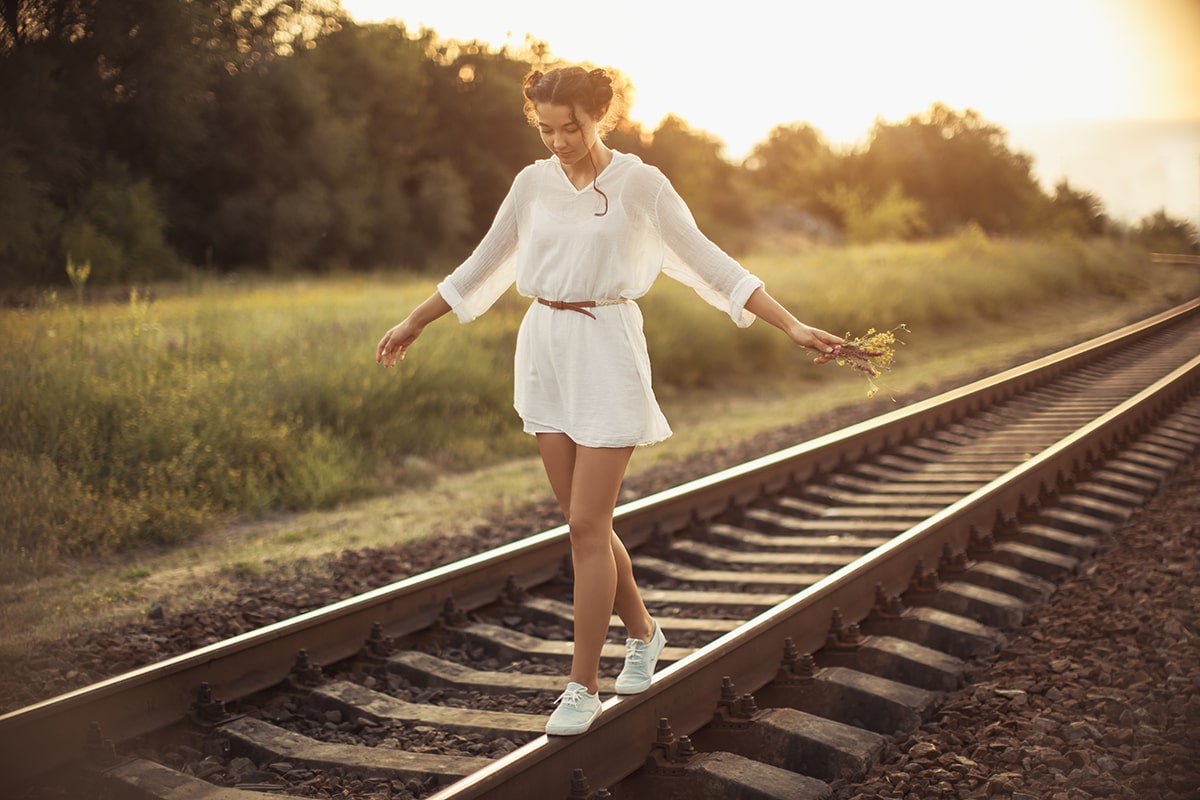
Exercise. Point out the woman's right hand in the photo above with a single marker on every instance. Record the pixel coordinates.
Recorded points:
(396, 342)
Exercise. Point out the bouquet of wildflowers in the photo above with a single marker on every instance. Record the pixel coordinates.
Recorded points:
(871, 354)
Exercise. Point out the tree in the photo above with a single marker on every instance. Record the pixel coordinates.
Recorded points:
(1160, 233)
(23, 22)
(31, 223)
(90, 90)
(1077, 212)
(958, 166)
(50, 110)
(866, 219)
(475, 106)
(710, 185)
(118, 226)
(795, 167)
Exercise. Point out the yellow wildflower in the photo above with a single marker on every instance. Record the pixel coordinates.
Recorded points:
(872, 354)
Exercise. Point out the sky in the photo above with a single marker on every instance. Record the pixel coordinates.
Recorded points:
(1104, 93)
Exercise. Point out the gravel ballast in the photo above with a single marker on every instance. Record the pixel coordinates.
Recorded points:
(1096, 695)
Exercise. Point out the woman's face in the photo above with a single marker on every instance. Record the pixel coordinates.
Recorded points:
(569, 139)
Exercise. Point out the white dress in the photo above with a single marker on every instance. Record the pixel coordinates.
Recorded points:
(590, 378)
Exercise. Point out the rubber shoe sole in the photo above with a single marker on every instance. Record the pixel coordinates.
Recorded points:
(575, 716)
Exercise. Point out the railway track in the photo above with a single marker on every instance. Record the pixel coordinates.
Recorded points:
(814, 600)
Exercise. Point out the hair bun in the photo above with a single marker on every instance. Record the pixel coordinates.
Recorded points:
(533, 77)
(601, 85)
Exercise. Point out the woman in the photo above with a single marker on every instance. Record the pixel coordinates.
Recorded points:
(585, 233)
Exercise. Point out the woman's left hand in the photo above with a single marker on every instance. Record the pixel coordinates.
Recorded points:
(815, 339)
(761, 304)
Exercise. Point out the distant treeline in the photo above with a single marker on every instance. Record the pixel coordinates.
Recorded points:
(140, 137)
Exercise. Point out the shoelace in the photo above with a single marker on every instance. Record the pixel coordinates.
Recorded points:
(571, 697)
(634, 650)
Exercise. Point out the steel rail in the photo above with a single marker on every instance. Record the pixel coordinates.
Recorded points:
(36, 739)
(687, 692)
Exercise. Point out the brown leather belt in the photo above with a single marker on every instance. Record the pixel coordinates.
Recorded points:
(581, 306)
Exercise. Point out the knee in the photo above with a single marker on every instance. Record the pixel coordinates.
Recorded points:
(590, 535)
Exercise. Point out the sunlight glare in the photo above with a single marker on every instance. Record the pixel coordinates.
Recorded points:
(737, 71)
(838, 66)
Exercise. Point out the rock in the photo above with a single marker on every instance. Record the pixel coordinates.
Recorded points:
(923, 750)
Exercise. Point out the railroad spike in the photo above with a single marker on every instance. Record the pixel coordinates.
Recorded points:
(914, 582)
(378, 645)
(952, 561)
(728, 693)
(836, 626)
(979, 543)
(206, 709)
(1027, 508)
(305, 672)
(796, 666)
(665, 746)
(923, 580)
(664, 735)
(790, 653)
(734, 513)
(513, 594)
(579, 785)
(728, 709)
(843, 637)
(802, 668)
(1048, 495)
(931, 580)
(100, 750)
(687, 750)
(886, 607)
(1004, 526)
(453, 616)
(661, 538)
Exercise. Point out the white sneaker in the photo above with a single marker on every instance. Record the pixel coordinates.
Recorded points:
(576, 711)
(640, 660)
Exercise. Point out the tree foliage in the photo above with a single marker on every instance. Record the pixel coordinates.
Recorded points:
(1160, 233)
(1077, 212)
(864, 218)
(142, 135)
(794, 168)
(958, 167)
(711, 186)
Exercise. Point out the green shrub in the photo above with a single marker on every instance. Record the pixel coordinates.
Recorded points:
(120, 228)
(139, 423)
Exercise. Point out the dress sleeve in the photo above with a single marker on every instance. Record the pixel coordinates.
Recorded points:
(477, 283)
(692, 259)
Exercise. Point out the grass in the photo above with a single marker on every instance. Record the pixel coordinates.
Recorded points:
(165, 448)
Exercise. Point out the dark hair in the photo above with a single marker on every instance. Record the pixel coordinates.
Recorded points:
(574, 87)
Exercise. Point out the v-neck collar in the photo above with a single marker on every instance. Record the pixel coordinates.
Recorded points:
(567, 178)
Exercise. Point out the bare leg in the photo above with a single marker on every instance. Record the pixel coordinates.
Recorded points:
(586, 481)
(629, 605)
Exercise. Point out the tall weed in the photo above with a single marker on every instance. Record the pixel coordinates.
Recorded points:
(139, 423)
